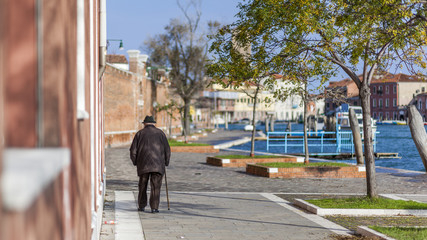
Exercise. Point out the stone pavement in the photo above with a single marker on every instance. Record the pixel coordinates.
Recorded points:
(209, 202)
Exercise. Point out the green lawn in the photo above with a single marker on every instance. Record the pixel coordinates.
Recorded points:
(245, 156)
(311, 164)
(174, 143)
(367, 203)
(402, 233)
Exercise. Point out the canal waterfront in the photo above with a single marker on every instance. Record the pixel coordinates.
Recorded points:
(391, 139)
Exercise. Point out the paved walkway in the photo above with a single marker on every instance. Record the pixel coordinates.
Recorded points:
(208, 202)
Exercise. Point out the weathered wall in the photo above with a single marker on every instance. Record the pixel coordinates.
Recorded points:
(120, 92)
(62, 210)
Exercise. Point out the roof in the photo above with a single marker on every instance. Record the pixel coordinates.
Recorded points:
(116, 58)
(388, 77)
(342, 83)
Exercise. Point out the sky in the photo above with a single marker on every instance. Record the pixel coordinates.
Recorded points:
(134, 21)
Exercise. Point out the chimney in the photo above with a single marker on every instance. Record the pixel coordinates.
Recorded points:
(133, 60)
(142, 58)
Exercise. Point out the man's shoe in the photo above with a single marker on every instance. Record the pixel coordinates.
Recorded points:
(154, 210)
(141, 209)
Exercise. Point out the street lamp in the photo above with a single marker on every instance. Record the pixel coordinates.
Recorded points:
(117, 40)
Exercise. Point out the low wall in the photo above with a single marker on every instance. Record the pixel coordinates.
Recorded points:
(117, 139)
(194, 149)
(241, 162)
(307, 172)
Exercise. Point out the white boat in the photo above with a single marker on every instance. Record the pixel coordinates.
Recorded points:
(343, 121)
(249, 127)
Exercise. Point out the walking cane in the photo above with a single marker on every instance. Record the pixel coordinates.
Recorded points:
(167, 192)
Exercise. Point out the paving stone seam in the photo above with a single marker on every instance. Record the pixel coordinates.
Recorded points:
(314, 218)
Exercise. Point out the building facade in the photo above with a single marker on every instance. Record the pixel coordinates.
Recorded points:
(347, 90)
(130, 95)
(52, 57)
(420, 101)
(391, 93)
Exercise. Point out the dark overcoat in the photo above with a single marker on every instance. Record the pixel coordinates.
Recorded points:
(150, 150)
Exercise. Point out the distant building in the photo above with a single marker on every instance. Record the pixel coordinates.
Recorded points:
(291, 109)
(420, 101)
(391, 93)
(345, 87)
(130, 95)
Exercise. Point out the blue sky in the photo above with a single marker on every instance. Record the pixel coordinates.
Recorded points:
(134, 21)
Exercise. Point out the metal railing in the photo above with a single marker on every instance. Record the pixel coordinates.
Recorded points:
(339, 141)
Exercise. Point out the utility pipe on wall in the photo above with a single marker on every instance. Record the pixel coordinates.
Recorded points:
(39, 88)
(102, 36)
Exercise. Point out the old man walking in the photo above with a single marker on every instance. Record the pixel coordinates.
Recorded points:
(150, 152)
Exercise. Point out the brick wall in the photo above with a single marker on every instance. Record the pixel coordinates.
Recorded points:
(120, 102)
(63, 208)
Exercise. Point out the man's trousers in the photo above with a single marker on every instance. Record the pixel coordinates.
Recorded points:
(155, 185)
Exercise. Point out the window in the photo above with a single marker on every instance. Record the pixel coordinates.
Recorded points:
(420, 105)
(387, 116)
(375, 90)
(386, 102)
(380, 103)
(374, 102)
(394, 115)
(327, 105)
(394, 102)
(380, 90)
(380, 116)
(375, 115)
(423, 89)
(394, 89)
(386, 89)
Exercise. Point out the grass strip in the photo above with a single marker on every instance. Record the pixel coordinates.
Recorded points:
(245, 156)
(367, 203)
(311, 164)
(402, 233)
(174, 143)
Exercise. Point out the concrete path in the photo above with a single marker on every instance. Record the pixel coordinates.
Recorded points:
(209, 202)
(200, 216)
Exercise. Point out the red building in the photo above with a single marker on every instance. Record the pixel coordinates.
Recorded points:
(391, 93)
(51, 125)
(349, 91)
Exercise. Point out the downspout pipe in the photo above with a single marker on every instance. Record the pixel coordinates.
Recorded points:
(39, 88)
(102, 36)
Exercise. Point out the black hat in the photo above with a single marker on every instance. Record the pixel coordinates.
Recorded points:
(149, 119)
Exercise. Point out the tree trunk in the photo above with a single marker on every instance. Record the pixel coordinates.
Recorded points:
(355, 128)
(253, 124)
(272, 123)
(170, 125)
(306, 159)
(226, 120)
(266, 124)
(418, 133)
(371, 183)
(186, 126)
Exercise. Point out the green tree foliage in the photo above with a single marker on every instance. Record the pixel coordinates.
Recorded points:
(310, 39)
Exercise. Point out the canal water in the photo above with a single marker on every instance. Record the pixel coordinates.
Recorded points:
(391, 139)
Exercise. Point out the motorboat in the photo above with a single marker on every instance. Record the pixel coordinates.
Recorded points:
(343, 121)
